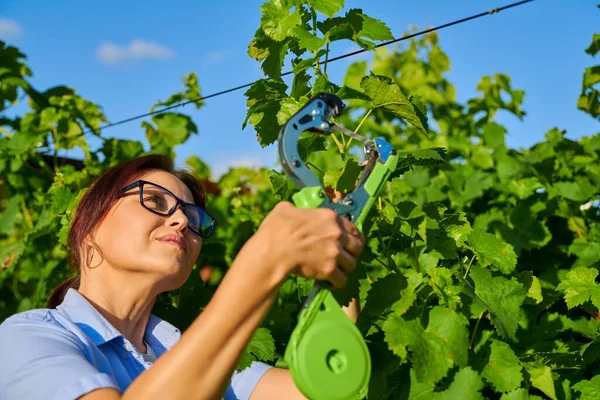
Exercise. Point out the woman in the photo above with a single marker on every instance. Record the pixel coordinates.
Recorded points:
(137, 232)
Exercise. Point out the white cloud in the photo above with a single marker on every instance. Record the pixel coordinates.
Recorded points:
(216, 57)
(112, 54)
(10, 28)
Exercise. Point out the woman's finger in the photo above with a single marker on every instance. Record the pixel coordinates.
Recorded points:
(352, 230)
(337, 279)
(352, 243)
(348, 226)
(346, 262)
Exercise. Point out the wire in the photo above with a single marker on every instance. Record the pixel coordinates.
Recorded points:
(184, 103)
(437, 28)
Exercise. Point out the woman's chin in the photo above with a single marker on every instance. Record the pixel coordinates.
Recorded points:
(174, 270)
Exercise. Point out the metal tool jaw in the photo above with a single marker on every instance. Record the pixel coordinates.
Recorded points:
(315, 117)
(327, 356)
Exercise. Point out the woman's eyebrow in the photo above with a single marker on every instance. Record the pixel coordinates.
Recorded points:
(189, 201)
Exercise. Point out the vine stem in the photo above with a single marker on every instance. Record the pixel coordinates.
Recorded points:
(339, 145)
(396, 228)
(469, 267)
(314, 22)
(476, 327)
(359, 125)
(382, 263)
(315, 167)
(55, 145)
(425, 305)
(363, 119)
(414, 247)
(6, 132)
(27, 214)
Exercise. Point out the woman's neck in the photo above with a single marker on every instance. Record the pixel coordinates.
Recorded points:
(126, 308)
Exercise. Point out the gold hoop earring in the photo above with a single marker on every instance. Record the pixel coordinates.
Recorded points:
(90, 257)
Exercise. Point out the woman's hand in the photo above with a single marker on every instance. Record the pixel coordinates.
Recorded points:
(314, 243)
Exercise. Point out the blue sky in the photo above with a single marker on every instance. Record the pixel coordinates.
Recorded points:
(125, 56)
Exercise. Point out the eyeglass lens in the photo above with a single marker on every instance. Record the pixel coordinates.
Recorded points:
(162, 202)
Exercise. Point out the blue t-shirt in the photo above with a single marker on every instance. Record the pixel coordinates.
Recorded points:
(69, 351)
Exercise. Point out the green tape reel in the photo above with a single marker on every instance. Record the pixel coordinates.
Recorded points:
(327, 355)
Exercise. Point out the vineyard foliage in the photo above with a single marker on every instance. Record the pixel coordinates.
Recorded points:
(479, 278)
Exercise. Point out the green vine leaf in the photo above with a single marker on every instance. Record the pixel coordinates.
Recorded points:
(433, 350)
(386, 94)
(491, 250)
(580, 286)
(594, 47)
(277, 21)
(327, 7)
(589, 389)
(264, 99)
(466, 385)
(503, 369)
(502, 297)
(260, 348)
(355, 26)
(307, 40)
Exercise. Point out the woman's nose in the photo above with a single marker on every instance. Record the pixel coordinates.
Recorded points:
(178, 218)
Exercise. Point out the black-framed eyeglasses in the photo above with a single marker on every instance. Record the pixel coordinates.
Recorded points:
(161, 201)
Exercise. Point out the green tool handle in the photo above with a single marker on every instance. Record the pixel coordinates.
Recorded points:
(327, 355)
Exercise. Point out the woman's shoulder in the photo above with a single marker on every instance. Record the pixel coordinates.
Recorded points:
(41, 356)
(38, 315)
(34, 321)
(37, 333)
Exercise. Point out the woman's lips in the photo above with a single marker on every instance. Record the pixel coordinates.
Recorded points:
(174, 240)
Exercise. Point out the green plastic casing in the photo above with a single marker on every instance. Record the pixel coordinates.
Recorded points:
(327, 355)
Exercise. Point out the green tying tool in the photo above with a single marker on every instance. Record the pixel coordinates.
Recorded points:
(327, 355)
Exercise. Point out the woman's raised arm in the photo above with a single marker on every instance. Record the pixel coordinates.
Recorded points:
(314, 243)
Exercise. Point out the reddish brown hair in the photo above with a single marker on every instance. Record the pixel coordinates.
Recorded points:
(100, 197)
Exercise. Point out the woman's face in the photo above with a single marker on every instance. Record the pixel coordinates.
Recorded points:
(135, 240)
